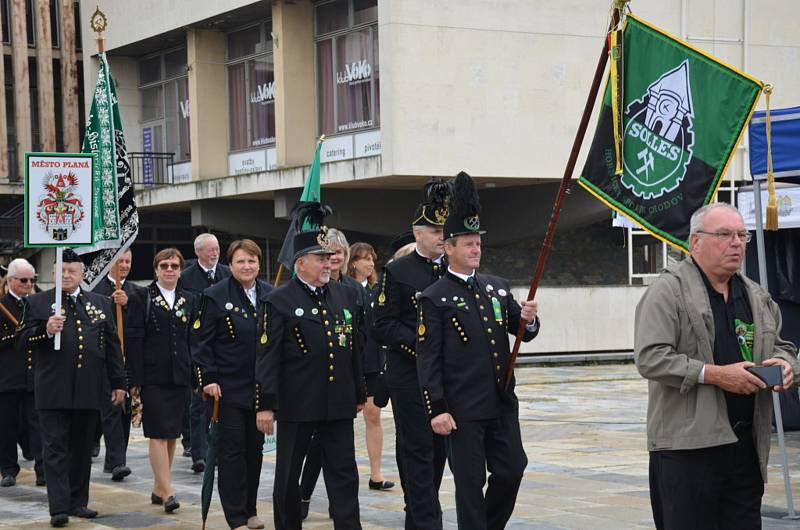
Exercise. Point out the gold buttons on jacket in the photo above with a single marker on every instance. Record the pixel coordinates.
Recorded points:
(331, 379)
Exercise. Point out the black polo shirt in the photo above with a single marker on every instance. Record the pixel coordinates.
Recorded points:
(733, 339)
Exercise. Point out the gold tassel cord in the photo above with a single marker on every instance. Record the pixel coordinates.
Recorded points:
(772, 201)
(616, 78)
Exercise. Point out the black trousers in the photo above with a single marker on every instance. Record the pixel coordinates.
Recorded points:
(116, 430)
(421, 456)
(19, 420)
(200, 416)
(67, 437)
(715, 488)
(337, 449)
(239, 457)
(311, 468)
(473, 448)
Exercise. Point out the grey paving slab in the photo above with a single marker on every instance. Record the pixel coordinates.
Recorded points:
(584, 433)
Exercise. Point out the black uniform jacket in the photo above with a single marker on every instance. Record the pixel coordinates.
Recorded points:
(374, 356)
(16, 364)
(463, 345)
(73, 377)
(231, 333)
(132, 318)
(311, 369)
(165, 357)
(195, 279)
(396, 309)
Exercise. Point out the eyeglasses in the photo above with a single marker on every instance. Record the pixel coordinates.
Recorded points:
(23, 280)
(728, 235)
(169, 266)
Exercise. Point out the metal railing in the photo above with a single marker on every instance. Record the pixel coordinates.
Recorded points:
(150, 170)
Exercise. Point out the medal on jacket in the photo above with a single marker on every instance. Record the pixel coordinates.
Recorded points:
(196, 324)
(498, 311)
(342, 340)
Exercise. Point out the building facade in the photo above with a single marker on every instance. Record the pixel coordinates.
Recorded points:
(41, 96)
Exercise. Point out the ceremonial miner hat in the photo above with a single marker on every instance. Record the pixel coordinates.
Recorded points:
(311, 236)
(69, 256)
(400, 241)
(433, 210)
(465, 208)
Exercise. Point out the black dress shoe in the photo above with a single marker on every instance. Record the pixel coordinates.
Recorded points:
(304, 505)
(27, 456)
(198, 466)
(187, 452)
(382, 485)
(58, 520)
(96, 451)
(40, 480)
(171, 504)
(155, 499)
(8, 481)
(84, 513)
(119, 473)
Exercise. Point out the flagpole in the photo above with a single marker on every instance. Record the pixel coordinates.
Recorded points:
(117, 287)
(278, 275)
(544, 253)
(57, 306)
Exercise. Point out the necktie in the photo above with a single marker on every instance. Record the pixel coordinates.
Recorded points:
(471, 281)
(210, 275)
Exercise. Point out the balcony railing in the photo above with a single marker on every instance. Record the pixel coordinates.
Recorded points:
(150, 170)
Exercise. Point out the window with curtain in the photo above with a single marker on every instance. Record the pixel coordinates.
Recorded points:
(164, 92)
(347, 66)
(251, 87)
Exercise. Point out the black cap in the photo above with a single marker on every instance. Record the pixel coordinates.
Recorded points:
(400, 241)
(465, 208)
(433, 210)
(69, 256)
(312, 242)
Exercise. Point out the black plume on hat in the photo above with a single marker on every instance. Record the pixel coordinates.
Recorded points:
(465, 208)
(433, 210)
(309, 215)
(306, 231)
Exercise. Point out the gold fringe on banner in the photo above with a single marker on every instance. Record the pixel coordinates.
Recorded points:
(772, 201)
(617, 101)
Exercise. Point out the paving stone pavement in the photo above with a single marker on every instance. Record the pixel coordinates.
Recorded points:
(583, 429)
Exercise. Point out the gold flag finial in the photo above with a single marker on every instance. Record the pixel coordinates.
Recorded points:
(98, 22)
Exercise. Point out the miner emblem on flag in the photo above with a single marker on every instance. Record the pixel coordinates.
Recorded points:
(683, 114)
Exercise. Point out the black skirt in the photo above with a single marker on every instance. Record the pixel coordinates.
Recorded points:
(162, 410)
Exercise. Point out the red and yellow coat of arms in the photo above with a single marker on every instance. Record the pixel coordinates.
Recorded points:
(60, 210)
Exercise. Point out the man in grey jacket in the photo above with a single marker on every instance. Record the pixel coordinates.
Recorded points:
(699, 326)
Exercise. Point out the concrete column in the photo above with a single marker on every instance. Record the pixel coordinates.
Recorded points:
(293, 45)
(69, 80)
(208, 129)
(22, 93)
(44, 76)
(3, 132)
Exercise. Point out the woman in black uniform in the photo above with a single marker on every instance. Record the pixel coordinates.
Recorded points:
(229, 332)
(163, 370)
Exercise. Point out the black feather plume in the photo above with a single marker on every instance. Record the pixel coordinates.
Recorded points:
(437, 193)
(309, 215)
(464, 199)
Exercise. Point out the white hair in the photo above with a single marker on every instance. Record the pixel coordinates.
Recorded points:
(201, 240)
(17, 264)
(696, 221)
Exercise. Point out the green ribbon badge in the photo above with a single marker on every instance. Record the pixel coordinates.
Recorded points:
(498, 311)
(744, 336)
(348, 317)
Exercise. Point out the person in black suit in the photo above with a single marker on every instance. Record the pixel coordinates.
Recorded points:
(16, 380)
(161, 371)
(337, 243)
(196, 278)
(70, 383)
(115, 422)
(462, 357)
(420, 453)
(310, 375)
(231, 332)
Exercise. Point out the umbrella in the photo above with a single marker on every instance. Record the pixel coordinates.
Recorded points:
(211, 463)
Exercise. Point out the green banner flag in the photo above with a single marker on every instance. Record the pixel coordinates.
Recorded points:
(684, 114)
(115, 219)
